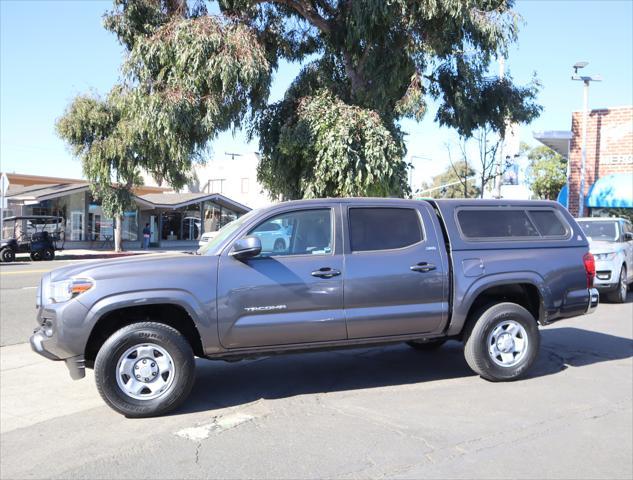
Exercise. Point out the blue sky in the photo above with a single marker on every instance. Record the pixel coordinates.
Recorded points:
(51, 51)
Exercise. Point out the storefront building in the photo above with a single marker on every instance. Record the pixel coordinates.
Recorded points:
(609, 162)
(175, 219)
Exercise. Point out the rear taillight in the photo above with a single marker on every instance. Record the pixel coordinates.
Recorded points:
(590, 268)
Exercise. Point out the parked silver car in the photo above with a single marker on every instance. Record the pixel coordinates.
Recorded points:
(611, 243)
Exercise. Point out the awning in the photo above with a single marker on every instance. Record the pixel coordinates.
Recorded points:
(612, 191)
(557, 140)
(563, 196)
(173, 201)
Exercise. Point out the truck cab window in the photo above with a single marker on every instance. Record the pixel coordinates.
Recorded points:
(383, 228)
(303, 232)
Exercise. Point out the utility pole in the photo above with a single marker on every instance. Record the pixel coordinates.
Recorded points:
(586, 80)
(502, 70)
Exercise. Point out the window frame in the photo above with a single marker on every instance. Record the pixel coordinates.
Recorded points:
(421, 225)
(537, 238)
(285, 212)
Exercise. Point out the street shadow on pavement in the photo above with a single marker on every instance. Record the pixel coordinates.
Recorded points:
(220, 384)
(574, 347)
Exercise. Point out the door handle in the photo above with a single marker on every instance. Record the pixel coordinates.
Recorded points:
(326, 272)
(423, 267)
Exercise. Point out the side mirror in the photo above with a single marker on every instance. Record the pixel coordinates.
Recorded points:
(246, 247)
(628, 236)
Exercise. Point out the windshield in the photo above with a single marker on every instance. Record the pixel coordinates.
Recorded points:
(602, 230)
(223, 234)
(7, 229)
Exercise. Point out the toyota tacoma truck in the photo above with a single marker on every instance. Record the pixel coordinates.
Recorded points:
(351, 272)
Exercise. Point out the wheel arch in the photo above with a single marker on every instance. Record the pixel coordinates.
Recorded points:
(112, 314)
(525, 290)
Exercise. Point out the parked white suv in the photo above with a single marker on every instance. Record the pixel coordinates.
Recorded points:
(611, 243)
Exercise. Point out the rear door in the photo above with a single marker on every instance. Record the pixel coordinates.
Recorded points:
(395, 270)
(293, 292)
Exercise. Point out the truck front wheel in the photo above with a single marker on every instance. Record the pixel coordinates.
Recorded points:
(502, 343)
(145, 369)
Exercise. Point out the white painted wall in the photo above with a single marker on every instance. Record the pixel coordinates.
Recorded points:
(235, 178)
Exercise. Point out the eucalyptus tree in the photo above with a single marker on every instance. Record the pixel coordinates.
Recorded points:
(195, 69)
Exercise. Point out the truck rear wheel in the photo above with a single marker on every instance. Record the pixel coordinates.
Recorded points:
(145, 369)
(502, 343)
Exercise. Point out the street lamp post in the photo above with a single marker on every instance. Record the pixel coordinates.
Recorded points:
(412, 168)
(586, 80)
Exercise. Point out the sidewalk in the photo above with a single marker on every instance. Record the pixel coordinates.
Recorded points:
(86, 254)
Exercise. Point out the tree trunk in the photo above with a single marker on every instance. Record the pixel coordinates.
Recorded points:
(118, 243)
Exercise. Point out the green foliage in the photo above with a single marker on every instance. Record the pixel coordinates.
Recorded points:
(189, 75)
(547, 171)
(187, 79)
(330, 149)
(459, 180)
(96, 133)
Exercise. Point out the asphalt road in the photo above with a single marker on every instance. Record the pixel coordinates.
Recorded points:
(388, 412)
(18, 285)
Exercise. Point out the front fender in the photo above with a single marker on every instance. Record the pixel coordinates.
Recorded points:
(464, 299)
(203, 316)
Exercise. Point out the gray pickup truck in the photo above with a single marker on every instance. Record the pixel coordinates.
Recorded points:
(349, 272)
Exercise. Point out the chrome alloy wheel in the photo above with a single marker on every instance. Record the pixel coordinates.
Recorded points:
(145, 371)
(507, 343)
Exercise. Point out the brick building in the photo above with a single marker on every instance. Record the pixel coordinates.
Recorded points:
(609, 163)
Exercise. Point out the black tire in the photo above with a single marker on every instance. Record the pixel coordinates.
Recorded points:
(48, 254)
(477, 348)
(279, 246)
(619, 294)
(7, 255)
(137, 334)
(36, 255)
(427, 346)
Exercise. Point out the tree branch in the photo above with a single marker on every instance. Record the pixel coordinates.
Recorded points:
(307, 11)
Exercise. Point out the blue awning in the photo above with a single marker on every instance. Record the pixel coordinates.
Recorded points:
(563, 196)
(612, 191)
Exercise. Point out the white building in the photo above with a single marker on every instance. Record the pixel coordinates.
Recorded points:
(231, 175)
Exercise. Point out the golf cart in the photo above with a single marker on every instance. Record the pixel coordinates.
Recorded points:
(36, 235)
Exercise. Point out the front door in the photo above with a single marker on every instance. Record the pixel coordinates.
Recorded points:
(395, 275)
(293, 291)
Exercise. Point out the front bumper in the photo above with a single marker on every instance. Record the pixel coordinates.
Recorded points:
(37, 344)
(594, 300)
(76, 365)
(607, 274)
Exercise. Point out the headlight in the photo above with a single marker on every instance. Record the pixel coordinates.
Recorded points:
(604, 256)
(60, 292)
